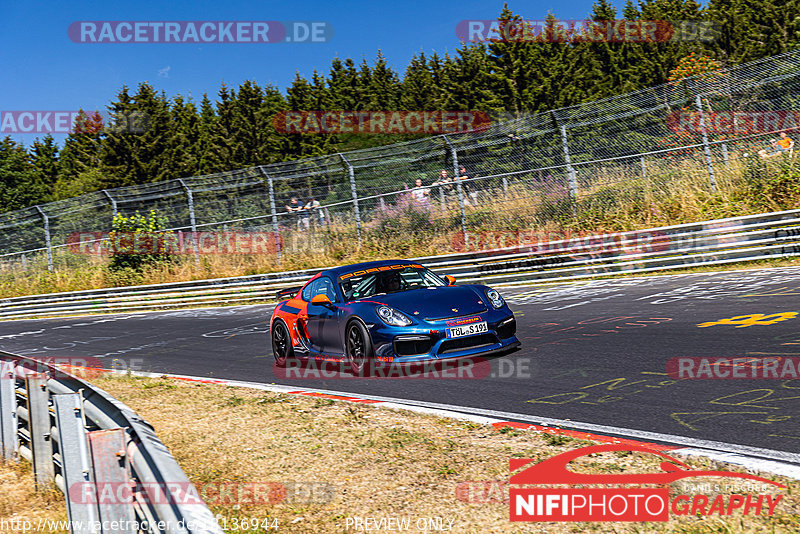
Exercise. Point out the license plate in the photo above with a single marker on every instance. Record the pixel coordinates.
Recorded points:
(467, 330)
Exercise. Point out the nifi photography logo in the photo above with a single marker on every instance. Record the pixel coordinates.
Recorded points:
(618, 501)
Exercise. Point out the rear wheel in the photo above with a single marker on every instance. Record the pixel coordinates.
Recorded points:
(359, 349)
(281, 343)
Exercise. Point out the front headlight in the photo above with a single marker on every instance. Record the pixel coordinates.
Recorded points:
(392, 317)
(495, 298)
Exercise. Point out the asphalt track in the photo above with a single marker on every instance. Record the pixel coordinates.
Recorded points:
(591, 351)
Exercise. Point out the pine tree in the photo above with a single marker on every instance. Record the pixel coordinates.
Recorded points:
(343, 85)
(44, 158)
(183, 152)
(18, 178)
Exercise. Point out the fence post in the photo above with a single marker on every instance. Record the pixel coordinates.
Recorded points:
(192, 221)
(573, 182)
(273, 211)
(76, 465)
(113, 204)
(454, 157)
(39, 427)
(46, 221)
(644, 169)
(8, 409)
(353, 192)
(725, 153)
(706, 146)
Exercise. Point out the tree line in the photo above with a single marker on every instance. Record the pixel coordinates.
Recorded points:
(183, 137)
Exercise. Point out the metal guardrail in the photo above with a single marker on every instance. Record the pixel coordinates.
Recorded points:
(715, 242)
(116, 475)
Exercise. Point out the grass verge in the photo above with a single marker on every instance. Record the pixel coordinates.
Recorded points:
(345, 460)
(22, 509)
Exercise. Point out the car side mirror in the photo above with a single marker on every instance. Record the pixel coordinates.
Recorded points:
(322, 300)
(451, 280)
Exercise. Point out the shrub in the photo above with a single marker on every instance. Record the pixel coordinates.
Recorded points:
(406, 216)
(137, 241)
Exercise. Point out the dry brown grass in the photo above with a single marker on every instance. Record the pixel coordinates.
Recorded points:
(19, 502)
(380, 462)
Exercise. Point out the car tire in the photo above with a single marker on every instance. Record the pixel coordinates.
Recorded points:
(358, 349)
(282, 348)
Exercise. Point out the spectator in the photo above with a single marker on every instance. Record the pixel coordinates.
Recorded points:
(444, 182)
(785, 142)
(470, 191)
(773, 150)
(296, 207)
(421, 194)
(313, 206)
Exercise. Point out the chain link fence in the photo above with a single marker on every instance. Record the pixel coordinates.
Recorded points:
(545, 170)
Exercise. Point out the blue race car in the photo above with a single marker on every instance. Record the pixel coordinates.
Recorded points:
(389, 312)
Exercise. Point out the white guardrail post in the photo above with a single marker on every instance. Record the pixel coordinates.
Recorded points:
(110, 470)
(76, 465)
(39, 425)
(8, 410)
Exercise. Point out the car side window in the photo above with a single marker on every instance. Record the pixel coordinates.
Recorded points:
(308, 291)
(326, 288)
(320, 286)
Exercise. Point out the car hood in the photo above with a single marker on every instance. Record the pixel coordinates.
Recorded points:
(437, 302)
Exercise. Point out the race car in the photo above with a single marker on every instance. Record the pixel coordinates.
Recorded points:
(389, 312)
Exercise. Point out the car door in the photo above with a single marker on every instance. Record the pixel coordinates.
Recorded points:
(320, 316)
(330, 331)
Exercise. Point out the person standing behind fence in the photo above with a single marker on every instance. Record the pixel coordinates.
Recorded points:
(445, 186)
(470, 190)
(314, 208)
(421, 194)
(296, 207)
(786, 143)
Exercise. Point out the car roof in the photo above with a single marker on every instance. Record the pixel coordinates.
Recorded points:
(337, 271)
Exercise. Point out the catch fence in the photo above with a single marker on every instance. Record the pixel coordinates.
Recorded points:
(543, 170)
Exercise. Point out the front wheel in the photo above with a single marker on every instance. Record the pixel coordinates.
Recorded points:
(359, 349)
(281, 343)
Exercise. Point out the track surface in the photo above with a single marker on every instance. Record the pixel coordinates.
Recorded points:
(591, 351)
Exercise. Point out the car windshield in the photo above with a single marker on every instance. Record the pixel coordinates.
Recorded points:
(383, 282)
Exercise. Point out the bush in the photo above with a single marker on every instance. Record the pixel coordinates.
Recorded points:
(137, 241)
(406, 216)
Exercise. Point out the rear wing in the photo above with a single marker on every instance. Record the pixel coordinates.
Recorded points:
(288, 293)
